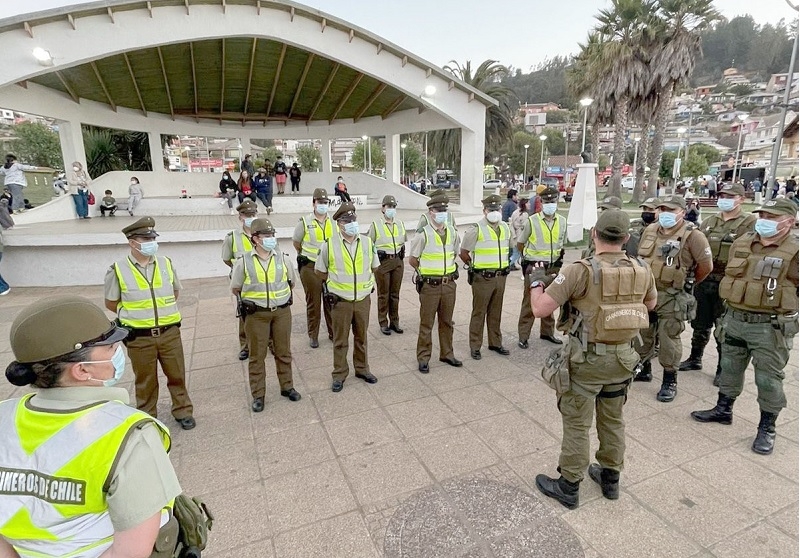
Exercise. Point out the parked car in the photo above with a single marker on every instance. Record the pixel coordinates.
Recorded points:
(455, 183)
(493, 183)
(443, 184)
(550, 182)
(628, 183)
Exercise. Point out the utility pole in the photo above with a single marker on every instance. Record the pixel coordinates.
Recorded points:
(776, 148)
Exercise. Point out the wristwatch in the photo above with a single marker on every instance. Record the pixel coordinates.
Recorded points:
(538, 284)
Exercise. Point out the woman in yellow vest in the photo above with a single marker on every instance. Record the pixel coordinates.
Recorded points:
(264, 279)
(82, 473)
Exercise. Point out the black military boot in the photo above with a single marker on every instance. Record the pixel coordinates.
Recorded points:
(694, 362)
(722, 413)
(765, 439)
(669, 387)
(608, 479)
(643, 372)
(560, 489)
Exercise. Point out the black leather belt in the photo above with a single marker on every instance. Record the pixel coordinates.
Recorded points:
(273, 309)
(752, 317)
(152, 331)
(435, 281)
(491, 273)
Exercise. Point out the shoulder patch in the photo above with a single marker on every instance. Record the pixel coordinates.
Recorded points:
(560, 278)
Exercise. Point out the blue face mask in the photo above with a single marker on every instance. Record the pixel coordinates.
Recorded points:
(549, 208)
(248, 221)
(148, 248)
(351, 229)
(118, 361)
(766, 228)
(667, 220)
(321, 209)
(440, 217)
(726, 204)
(390, 212)
(269, 243)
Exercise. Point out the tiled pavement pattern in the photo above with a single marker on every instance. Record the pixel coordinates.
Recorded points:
(323, 477)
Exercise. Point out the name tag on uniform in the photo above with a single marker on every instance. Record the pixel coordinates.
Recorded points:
(739, 254)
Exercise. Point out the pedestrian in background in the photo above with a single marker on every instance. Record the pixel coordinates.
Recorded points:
(245, 187)
(247, 165)
(79, 181)
(280, 174)
(14, 179)
(510, 205)
(263, 186)
(108, 204)
(227, 190)
(294, 175)
(135, 195)
(517, 223)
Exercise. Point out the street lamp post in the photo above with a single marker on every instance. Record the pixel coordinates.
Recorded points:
(679, 161)
(368, 141)
(426, 159)
(585, 102)
(742, 118)
(403, 161)
(525, 171)
(542, 139)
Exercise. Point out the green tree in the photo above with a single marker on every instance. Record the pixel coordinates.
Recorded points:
(309, 158)
(37, 144)
(101, 152)
(445, 145)
(695, 165)
(667, 163)
(710, 154)
(360, 156)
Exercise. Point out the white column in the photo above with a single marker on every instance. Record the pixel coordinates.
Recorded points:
(156, 152)
(246, 141)
(472, 148)
(327, 162)
(393, 158)
(72, 148)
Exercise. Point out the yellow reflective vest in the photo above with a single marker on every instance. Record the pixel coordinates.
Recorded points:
(350, 277)
(491, 248)
(389, 238)
(269, 285)
(544, 242)
(438, 257)
(240, 244)
(315, 236)
(55, 470)
(147, 303)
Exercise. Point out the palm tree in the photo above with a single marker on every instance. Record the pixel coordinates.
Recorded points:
(101, 152)
(445, 145)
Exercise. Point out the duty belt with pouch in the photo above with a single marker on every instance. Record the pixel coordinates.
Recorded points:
(328, 298)
(555, 371)
(770, 268)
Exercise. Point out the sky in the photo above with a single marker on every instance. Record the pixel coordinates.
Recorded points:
(518, 33)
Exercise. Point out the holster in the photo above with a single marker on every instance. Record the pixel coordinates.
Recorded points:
(302, 260)
(417, 282)
(328, 298)
(470, 276)
(381, 255)
(402, 253)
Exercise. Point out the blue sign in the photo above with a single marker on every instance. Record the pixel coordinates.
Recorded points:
(553, 170)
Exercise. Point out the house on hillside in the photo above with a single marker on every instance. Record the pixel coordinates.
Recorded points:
(762, 100)
(759, 138)
(777, 82)
(703, 91)
(535, 108)
(731, 76)
(790, 149)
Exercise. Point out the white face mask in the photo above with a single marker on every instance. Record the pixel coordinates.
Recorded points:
(321, 208)
(118, 361)
(494, 216)
(549, 208)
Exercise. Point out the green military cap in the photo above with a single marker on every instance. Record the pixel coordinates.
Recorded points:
(610, 202)
(549, 194)
(346, 211)
(672, 202)
(613, 223)
(261, 226)
(320, 194)
(248, 207)
(143, 227)
(732, 189)
(650, 203)
(492, 201)
(778, 207)
(55, 326)
(438, 202)
(389, 200)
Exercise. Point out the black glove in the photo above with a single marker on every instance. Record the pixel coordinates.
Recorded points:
(541, 274)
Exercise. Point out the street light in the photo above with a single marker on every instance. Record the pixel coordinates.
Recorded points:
(585, 102)
(542, 139)
(525, 173)
(742, 118)
(403, 160)
(369, 153)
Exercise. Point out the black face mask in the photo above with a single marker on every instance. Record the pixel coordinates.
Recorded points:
(648, 217)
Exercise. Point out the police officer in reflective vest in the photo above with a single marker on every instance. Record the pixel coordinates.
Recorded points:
(609, 202)
(608, 297)
(389, 237)
(433, 255)
(143, 290)
(541, 244)
(346, 262)
(424, 221)
(680, 257)
(311, 232)
(760, 323)
(235, 246)
(486, 249)
(720, 230)
(264, 279)
(83, 474)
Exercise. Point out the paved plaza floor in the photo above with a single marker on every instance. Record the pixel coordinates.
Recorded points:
(443, 464)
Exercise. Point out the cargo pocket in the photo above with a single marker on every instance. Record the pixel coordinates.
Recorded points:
(673, 327)
(788, 331)
(628, 359)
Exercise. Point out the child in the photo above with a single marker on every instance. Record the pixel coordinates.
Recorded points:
(109, 204)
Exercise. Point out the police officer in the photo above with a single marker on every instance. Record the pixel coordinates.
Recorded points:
(389, 237)
(647, 217)
(235, 245)
(311, 232)
(346, 262)
(608, 297)
(609, 202)
(486, 250)
(760, 323)
(720, 230)
(541, 244)
(433, 256)
(264, 279)
(143, 290)
(440, 195)
(679, 256)
(89, 475)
